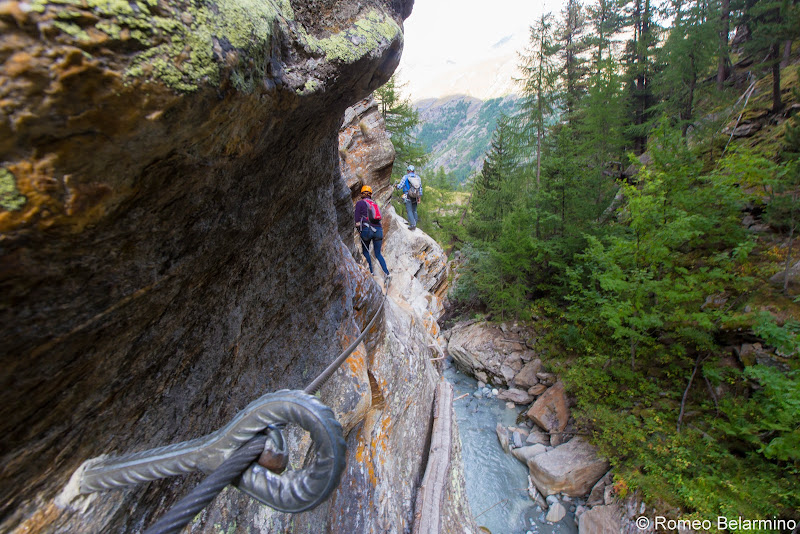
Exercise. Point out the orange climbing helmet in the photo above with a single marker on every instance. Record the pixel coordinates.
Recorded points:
(366, 189)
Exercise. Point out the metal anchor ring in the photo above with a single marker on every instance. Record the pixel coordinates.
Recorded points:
(293, 491)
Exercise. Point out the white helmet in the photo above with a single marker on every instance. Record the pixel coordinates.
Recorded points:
(410, 168)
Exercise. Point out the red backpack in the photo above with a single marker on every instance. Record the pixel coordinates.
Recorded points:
(374, 211)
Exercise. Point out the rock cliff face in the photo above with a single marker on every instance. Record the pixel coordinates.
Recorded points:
(365, 151)
(174, 238)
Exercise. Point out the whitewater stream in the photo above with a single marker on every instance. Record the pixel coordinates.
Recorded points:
(497, 483)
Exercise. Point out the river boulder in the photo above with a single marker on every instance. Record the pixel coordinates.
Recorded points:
(523, 454)
(488, 353)
(526, 378)
(600, 520)
(571, 468)
(517, 396)
(551, 410)
(503, 436)
(555, 512)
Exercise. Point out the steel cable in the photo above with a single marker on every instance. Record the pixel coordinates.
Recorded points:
(205, 492)
(232, 468)
(323, 377)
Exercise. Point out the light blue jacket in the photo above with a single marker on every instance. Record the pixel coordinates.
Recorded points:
(405, 185)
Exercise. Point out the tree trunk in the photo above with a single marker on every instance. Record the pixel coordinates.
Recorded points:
(686, 393)
(538, 158)
(789, 252)
(777, 102)
(787, 52)
(689, 107)
(725, 28)
(641, 96)
(428, 515)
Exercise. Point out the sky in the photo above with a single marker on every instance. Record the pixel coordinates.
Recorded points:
(443, 36)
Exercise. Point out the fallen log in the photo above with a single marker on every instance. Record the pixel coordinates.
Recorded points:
(430, 496)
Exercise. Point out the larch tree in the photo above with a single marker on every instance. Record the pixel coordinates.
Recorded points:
(541, 69)
(638, 62)
(401, 118)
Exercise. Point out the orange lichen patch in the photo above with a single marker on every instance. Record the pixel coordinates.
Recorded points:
(373, 443)
(14, 10)
(365, 457)
(18, 63)
(41, 521)
(33, 180)
(357, 362)
(382, 438)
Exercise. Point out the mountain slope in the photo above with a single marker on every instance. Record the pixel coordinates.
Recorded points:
(457, 131)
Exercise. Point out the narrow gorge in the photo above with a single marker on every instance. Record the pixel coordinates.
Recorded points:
(177, 240)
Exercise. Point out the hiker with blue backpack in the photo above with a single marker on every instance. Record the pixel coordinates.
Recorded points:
(368, 221)
(411, 185)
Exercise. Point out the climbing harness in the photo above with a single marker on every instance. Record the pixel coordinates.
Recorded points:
(228, 454)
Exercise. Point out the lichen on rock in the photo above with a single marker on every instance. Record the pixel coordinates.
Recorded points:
(352, 43)
(184, 246)
(10, 197)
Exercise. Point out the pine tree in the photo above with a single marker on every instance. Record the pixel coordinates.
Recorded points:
(600, 140)
(605, 22)
(540, 70)
(573, 46)
(685, 57)
(723, 52)
(492, 190)
(401, 119)
(639, 69)
(771, 24)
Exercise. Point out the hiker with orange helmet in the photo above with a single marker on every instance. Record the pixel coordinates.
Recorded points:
(368, 222)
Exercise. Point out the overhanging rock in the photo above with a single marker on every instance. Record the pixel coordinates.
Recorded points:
(173, 241)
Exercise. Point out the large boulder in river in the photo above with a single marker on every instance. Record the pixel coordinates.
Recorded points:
(523, 454)
(601, 520)
(487, 353)
(517, 396)
(551, 411)
(571, 468)
(175, 241)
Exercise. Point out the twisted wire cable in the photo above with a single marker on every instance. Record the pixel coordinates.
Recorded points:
(189, 506)
(323, 377)
(231, 469)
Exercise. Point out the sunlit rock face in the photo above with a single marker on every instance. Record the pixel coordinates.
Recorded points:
(365, 151)
(173, 230)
